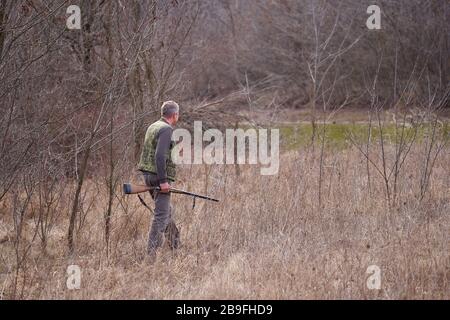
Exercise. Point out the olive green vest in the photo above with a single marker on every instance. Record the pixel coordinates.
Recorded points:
(148, 159)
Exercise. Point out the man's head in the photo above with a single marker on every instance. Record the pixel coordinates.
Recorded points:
(170, 111)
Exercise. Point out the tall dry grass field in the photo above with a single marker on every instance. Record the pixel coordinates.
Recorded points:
(268, 238)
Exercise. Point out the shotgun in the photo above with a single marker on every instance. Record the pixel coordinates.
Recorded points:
(129, 188)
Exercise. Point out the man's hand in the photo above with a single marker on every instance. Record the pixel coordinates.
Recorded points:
(165, 187)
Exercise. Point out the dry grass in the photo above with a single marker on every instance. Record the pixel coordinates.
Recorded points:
(266, 239)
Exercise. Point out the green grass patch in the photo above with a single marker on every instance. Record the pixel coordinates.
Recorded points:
(338, 135)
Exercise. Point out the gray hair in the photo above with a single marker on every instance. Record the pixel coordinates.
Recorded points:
(169, 108)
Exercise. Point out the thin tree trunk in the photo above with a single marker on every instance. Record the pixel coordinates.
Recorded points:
(75, 206)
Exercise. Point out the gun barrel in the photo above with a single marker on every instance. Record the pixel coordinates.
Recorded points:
(193, 194)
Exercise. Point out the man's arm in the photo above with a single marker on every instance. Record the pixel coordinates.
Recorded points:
(162, 146)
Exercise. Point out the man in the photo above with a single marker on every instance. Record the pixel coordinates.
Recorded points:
(158, 169)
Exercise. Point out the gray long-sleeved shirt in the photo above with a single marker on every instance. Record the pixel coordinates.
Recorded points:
(162, 147)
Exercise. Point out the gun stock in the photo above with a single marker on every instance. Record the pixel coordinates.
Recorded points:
(130, 188)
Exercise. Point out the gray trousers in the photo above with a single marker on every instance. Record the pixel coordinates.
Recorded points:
(162, 216)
